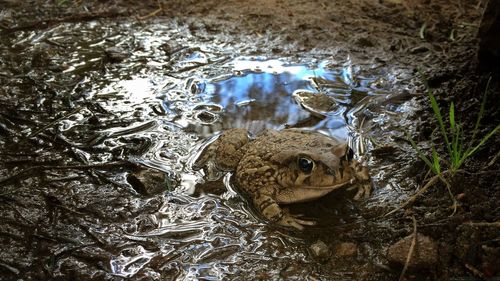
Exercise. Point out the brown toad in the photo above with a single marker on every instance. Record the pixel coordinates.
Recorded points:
(288, 166)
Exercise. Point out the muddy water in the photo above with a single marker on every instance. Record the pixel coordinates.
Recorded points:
(153, 94)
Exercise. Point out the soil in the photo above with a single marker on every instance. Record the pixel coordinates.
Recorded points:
(435, 40)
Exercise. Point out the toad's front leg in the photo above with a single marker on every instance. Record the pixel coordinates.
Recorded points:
(363, 180)
(270, 209)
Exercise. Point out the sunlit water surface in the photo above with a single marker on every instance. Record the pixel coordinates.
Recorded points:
(169, 96)
(213, 236)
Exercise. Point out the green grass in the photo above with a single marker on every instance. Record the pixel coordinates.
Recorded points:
(457, 147)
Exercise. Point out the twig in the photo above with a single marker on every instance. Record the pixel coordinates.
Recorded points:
(77, 167)
(414, 197)
(68, 178)
(475, 271)
(54, 122)
(495, 158)
(448, 187)
(14, 176)
(495, 224)
(421, 32)
(411, 250)
(482, 172)
(44, 23)
(10, 268)
(92, 235)
(153, 13)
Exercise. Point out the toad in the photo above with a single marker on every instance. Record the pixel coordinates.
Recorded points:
(287, 166)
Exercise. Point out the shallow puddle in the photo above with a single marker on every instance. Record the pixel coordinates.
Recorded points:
(214, 236)
(159, 105)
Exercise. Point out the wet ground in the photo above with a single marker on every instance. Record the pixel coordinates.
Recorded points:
(105, 106)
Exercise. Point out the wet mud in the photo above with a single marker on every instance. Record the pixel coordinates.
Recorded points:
(105, 107)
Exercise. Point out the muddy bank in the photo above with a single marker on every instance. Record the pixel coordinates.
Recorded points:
(105, 103)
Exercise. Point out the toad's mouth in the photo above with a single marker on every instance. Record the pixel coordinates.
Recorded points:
(305, 193)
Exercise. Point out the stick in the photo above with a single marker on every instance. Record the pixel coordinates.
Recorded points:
(77, 167)
(153, 13)
(430, 183)
(415, 196)
(411, 250)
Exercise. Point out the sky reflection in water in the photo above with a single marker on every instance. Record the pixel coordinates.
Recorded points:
(261, 90)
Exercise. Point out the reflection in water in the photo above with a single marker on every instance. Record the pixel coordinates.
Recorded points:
(215, 236)
(155, 108)
(261, 90)
(259, 96)
(207, 238)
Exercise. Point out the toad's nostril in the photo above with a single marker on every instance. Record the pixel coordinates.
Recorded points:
(330, 172)
(350, 154)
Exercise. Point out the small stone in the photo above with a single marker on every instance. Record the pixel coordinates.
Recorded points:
(425, 254)
(206, 117)
(318, 104)
(319, 250)
(115, 55)
(148, 181)
(346, 249)
(363, 42)
(461, 196)
(42, 56)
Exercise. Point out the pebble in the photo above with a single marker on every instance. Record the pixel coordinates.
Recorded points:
(319, 250)
(346, 249)
(148, 181)
(425, 253)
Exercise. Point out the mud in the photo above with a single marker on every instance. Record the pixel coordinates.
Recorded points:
(105, 105)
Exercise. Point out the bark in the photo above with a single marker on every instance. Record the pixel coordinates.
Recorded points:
(489, 37)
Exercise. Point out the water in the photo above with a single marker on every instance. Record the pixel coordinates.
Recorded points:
(157, 108)
(213, 236)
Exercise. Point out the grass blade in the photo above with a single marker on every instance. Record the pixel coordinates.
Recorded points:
(497, 128)
(420, 154)
(452, 117)
(439, 117)
(457, 149)
(435, 161)
(455, 138)
(481, 111)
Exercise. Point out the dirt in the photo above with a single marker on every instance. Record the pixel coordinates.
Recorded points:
(436, 40)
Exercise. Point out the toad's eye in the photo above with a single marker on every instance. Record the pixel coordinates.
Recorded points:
(305, 164)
